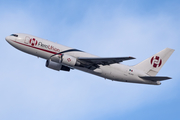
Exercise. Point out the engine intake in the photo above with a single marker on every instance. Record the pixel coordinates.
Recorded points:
(56, 66)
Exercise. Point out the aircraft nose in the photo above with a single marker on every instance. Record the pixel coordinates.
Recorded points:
(7, 38)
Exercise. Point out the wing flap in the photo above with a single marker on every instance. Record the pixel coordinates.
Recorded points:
(154, 78)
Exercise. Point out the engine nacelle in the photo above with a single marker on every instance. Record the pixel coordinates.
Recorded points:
(68, 60)
(53, 65)
(56, 66)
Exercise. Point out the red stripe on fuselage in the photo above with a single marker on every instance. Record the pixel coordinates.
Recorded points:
(36, 48)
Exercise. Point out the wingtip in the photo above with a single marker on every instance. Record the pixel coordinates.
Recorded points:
(132, 57)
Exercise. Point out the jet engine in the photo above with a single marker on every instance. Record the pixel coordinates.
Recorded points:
(62, 62)
(56, 66)
(69, 60)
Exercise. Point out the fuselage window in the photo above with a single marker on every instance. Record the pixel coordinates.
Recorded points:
(15, 35)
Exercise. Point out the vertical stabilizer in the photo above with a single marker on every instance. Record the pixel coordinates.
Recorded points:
(152, 65)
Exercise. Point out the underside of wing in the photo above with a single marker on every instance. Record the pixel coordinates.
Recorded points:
(104, 61)
(154, 78)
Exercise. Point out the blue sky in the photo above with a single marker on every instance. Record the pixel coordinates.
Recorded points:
(107, 28)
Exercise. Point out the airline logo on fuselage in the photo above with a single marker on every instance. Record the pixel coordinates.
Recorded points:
(33, 42)
(50, 47)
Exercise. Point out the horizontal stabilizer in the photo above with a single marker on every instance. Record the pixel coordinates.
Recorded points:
(154, 78)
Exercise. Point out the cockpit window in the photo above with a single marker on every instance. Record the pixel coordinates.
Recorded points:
(15, 35)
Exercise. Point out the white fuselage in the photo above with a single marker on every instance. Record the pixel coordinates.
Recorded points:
(45, 49)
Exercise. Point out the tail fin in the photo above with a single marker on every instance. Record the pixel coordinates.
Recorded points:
(152, 65)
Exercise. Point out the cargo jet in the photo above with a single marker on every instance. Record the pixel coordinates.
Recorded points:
(59, 57)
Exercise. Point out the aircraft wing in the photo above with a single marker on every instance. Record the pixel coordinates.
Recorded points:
(103, 61)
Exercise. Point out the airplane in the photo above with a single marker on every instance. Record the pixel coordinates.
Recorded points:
(59, 57)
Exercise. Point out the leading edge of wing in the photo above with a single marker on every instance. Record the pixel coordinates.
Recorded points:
(105, 61)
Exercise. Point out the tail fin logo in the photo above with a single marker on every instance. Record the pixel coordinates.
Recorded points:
(156, 61)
